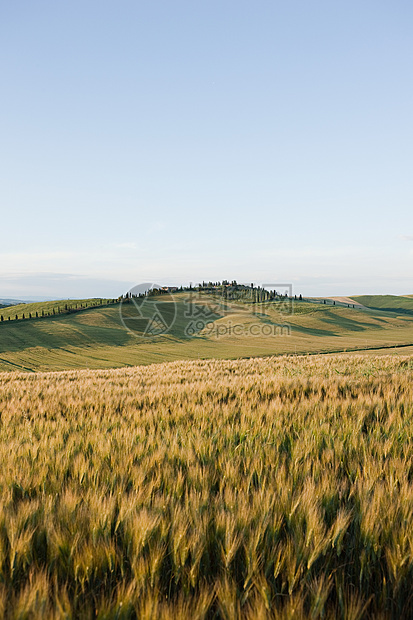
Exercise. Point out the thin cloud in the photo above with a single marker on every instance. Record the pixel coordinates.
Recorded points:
(127, 245)
(60, 286)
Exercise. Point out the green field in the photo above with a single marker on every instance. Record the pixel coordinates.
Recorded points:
(399, 304)
(96, 338)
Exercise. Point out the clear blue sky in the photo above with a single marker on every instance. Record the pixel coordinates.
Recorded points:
(175, 141)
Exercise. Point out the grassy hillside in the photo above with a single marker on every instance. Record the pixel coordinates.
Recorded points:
(389, 303)
(96, 337)
(249, 489)
(62, 306)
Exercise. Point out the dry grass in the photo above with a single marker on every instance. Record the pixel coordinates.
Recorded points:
(264, 488)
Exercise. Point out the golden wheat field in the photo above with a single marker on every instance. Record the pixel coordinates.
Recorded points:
(262, 488)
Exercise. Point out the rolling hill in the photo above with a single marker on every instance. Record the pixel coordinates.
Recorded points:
(61, 306)
(96, 337)
(5, 302)
(397, 304)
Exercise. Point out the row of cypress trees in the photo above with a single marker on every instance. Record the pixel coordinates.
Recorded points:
(66, 309)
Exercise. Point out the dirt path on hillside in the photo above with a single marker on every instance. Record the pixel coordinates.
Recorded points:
(347, 300)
